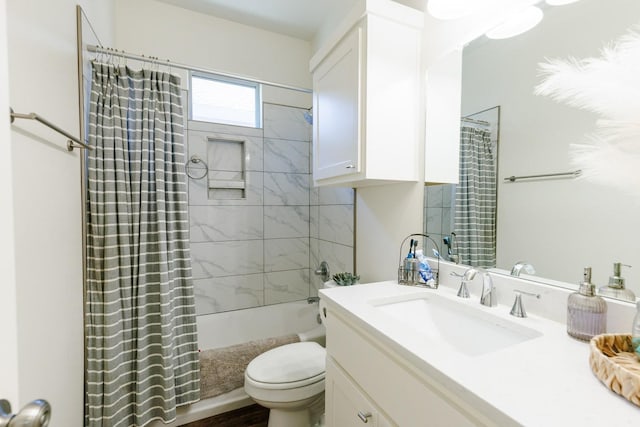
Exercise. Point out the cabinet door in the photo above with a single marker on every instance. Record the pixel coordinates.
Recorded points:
(336, 110)
(346, 404)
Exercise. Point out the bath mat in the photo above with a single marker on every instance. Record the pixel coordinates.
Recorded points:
(222, 369)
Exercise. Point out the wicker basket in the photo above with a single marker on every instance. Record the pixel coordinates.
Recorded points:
(613, 361)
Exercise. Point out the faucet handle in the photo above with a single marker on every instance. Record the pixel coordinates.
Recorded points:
(518, 308)
(463, 291)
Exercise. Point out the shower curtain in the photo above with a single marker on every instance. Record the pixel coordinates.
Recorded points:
(142, 355)
(475, 217)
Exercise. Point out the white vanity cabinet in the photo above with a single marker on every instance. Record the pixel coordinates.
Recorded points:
(366, 91)
(364, 377)
(346, 404)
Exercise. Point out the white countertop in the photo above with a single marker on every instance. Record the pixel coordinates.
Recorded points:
(545, 381)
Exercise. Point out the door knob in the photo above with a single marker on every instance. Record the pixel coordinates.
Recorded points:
(33, 414)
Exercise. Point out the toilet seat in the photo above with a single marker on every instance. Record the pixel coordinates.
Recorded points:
(289, 366)
(287, 373)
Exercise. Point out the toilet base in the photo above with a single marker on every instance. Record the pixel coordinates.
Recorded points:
(303, 413)
(283, 418)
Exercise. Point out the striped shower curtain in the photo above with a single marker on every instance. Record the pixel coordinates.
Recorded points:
(142, 355)
(475, 217)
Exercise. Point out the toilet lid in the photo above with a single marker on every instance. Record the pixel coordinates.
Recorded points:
(288, 363)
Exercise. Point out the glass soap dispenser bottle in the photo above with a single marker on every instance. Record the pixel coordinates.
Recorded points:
(586, 311)
(616, 288)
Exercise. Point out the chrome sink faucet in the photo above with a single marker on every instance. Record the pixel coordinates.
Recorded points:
(522, 265)
(488, 296)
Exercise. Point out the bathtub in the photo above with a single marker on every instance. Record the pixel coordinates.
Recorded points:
(237, 327)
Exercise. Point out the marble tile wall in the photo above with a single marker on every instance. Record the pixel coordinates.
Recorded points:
(439, 213)
(262, 249)
(331, 231)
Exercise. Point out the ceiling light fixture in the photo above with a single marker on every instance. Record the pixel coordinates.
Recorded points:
(518, 23)
(451, 9)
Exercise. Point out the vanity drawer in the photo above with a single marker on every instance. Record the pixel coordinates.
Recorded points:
(407, 398)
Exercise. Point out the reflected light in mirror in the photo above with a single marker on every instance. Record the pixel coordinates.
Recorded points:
(560, 2)
(451, 9)
(518, 23)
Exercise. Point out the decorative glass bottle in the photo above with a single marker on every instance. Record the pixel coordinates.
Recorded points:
(586, 312)
(616, 288)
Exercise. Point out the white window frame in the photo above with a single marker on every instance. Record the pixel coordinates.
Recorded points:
(229, 80)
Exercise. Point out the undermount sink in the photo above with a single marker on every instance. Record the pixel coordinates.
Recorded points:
(466, 329)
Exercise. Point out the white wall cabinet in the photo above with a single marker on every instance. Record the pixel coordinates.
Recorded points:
(336, 85)
(366, 100)
(364, 376)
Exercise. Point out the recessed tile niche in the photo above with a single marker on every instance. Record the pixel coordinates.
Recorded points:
(227, 169)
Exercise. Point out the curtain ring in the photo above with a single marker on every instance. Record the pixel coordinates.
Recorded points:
(98, 56)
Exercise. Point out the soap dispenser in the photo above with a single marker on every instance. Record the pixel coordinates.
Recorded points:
(615, 288)
(586, 312)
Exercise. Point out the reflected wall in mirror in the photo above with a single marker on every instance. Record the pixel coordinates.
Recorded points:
(559, 225)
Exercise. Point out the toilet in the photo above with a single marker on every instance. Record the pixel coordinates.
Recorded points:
(288, 380)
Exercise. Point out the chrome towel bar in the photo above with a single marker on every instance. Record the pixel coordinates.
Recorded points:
(574, 174)
(71, 144)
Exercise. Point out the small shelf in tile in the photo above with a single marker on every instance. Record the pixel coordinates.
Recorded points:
(227, 184)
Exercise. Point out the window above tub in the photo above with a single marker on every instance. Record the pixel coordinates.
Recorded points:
(219, 99)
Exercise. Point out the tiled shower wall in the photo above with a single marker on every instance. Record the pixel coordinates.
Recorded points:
(439, 213)
(262, 249)
(331, 231)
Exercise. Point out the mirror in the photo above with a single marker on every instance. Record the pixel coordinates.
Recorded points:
(558, 224)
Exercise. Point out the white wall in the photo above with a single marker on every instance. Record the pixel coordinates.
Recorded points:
(183, 36)
(560, 226)
(46, 202)
(8, 320)
(384, 216)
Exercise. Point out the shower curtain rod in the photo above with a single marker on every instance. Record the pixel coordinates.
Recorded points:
(480, 122)
(168, 63)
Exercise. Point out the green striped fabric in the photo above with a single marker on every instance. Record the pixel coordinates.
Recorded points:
(475, 217)
(141, 338)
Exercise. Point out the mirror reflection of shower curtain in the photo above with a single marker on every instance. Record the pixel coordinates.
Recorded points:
(475, 217)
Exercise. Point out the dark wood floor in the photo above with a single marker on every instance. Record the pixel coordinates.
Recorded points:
(250, 416)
